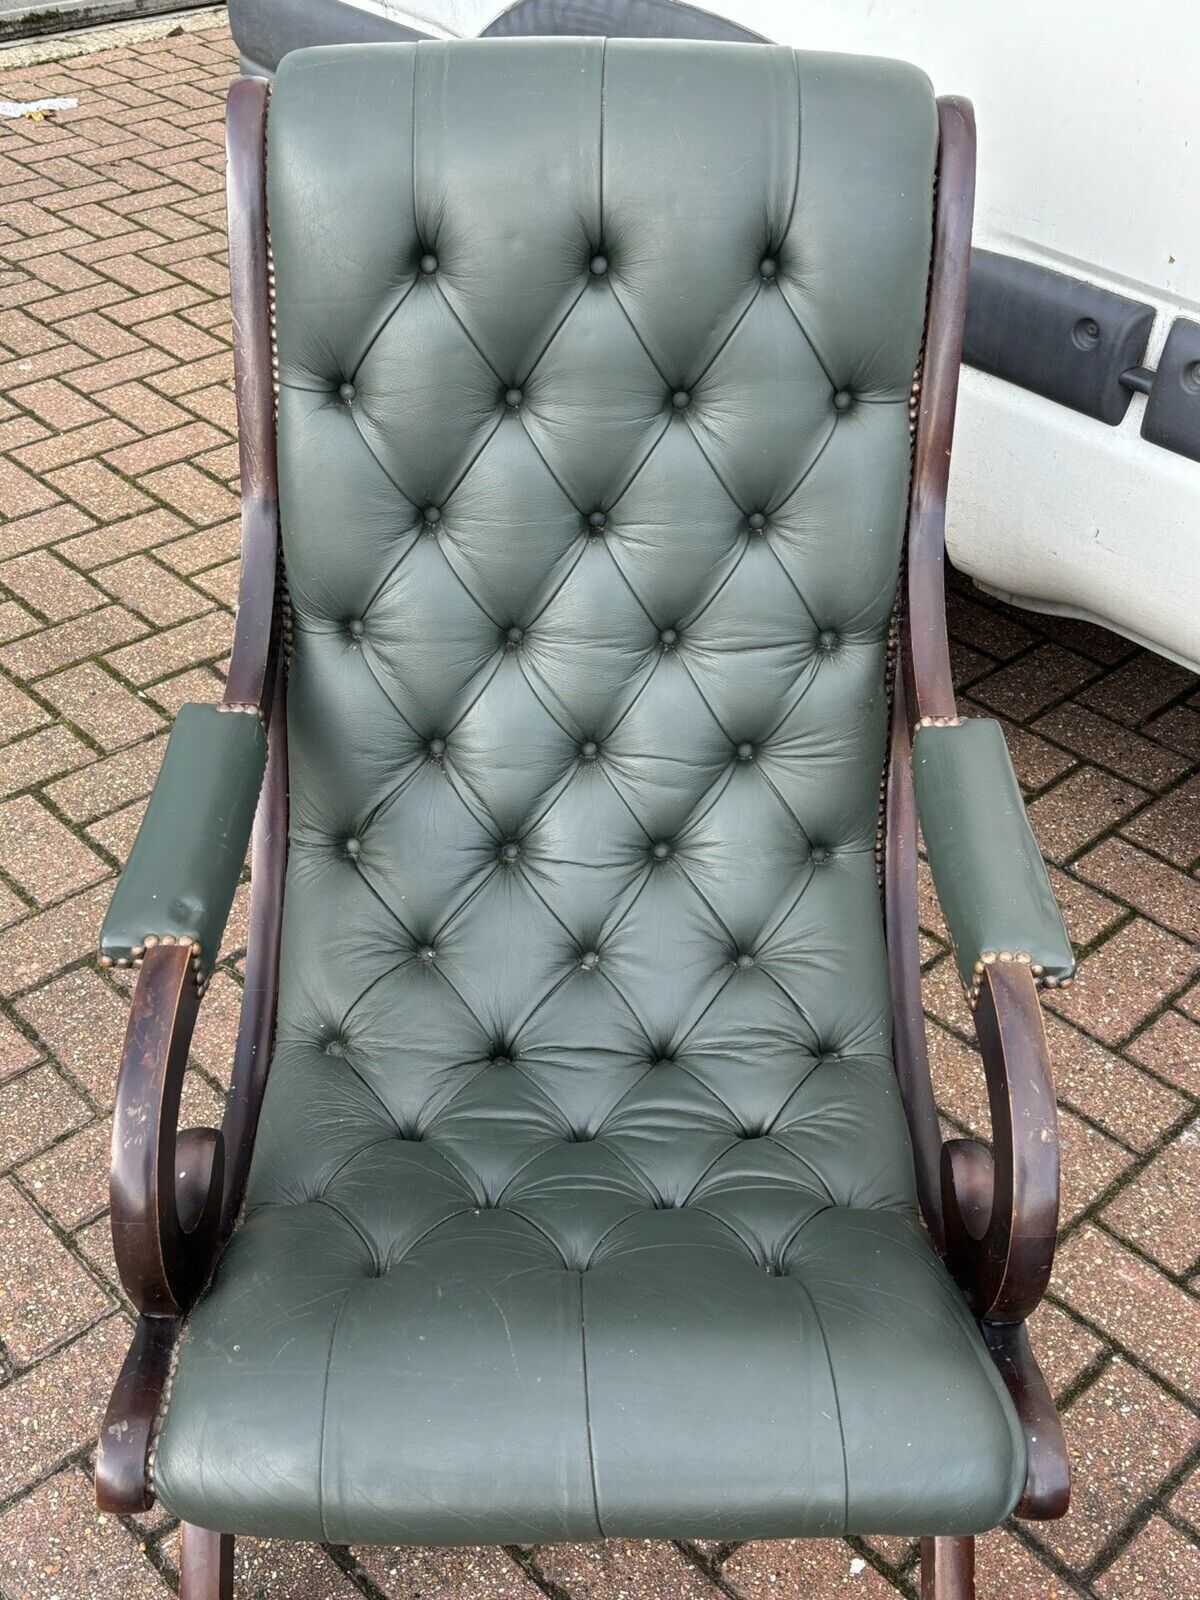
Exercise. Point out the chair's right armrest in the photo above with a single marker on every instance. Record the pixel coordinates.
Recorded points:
(182, 873)
(987, 869)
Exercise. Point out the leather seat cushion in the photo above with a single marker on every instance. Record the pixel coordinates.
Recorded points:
(582, 1199)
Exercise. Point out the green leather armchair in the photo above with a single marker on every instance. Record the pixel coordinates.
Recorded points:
(595, 405)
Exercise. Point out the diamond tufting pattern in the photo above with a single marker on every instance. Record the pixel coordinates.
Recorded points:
(582, 1199)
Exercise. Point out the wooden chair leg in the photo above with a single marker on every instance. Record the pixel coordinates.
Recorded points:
(947, 1569)
(205, 1564)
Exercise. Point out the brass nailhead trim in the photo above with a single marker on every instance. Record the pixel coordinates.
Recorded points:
(988, 958)
(137, 955)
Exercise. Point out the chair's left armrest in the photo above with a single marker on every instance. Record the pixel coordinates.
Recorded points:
(989, 874)
(183, 870)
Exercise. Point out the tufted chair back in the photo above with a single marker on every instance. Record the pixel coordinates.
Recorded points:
(595, 363)
(594, 375)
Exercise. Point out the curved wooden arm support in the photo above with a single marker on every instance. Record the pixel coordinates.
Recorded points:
(1000, 1206)
(127, 1432)
(1000, 1210)
(993, 1213)
(1047, 1492)
(165, 1188)
(175, 1196)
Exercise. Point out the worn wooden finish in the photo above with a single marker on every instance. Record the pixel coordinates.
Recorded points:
(947, 1569)
(251, 680)
(1001, 1206)
(993, 1213)
(256, 1024)
(175, 1196)
(1047, 1492)
(910, 1052)
(126, 1433)
(165, 1189)
(926, 666)
(205, 1564)
(924, 686)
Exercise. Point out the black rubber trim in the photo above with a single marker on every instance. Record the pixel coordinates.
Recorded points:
(1172, 416)
(1056, 335)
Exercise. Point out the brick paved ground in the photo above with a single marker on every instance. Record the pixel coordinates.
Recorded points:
(118, 559)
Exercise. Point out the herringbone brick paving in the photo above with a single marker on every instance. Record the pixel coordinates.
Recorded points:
(118, 564)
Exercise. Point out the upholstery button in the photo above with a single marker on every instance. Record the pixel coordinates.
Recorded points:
(681, 399)
(590, 961)
(589, 749)
(744, 960)
(745, 752)
(347, 392)
(514, 637)
(510, 851)
(664, 1061)
(668, 638)
(661, 850)
(841, 400)
(598, 265)
(756, 521)
(437, 747)
(352, 847)
(335, 1047)
(429, 262)
(513, 398)
(819, 853)
(427, 954)
(357, 627)
(501, 1061)
(432, 515)
(598, 520)
(768, 267)
(827, 639)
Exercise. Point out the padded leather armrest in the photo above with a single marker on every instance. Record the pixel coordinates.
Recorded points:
(182, 872)
(987, 869)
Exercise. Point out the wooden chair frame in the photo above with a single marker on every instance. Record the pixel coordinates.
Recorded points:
(175, 1197)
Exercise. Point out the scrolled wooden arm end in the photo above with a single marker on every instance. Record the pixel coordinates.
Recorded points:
(166, 1190)
(1000, 1211)
(1000, 1206)
(165, 1187)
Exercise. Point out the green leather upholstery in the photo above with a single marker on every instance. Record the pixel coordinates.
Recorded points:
(987, 869)
(582, 1198)
(186, 860)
